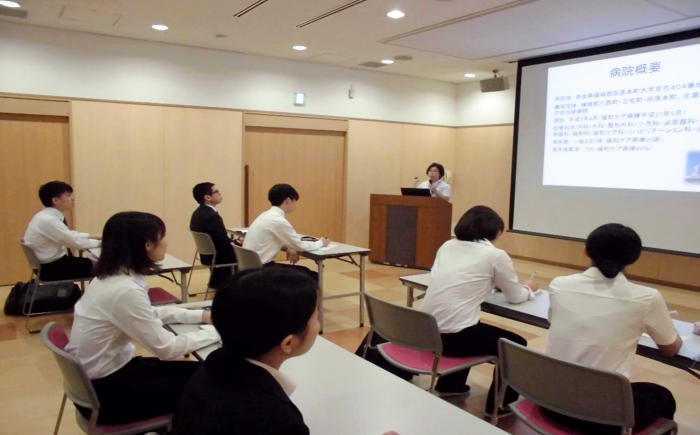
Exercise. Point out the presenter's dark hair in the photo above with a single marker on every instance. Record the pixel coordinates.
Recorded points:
(51, 190)
(256, 309)
(201, 190)
(279, 192)
(438, 166)
(124, 241)
(479, 223)
(612, 247)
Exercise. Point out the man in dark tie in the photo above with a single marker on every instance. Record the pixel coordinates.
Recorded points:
(206, 219)
(50, 238)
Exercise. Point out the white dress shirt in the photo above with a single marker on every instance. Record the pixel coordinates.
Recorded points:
(271, 232)
(284, 380)
(440, 186)
(115, 311)
(49, 237)
(463, 275)
(597, 321)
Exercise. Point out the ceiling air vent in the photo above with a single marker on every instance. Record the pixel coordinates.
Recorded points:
(372, 64)
(249, 8)
(331, 12)
(14, 13)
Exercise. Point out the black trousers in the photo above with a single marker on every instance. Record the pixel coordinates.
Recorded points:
(651, 401)
(142, 389)
(306, 270)
(477, 340)
(66, 268)
(219, 274)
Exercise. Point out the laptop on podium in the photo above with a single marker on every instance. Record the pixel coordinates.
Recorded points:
(412, 191)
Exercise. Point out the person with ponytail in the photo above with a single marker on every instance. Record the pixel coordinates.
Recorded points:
(265, 316)
(598, 316)
(115, 312)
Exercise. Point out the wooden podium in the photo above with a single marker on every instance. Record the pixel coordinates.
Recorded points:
(407, 230)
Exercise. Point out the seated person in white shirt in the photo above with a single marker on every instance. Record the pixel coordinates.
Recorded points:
(435, 182)
(115, 312)
(465, 271)
(49, 236)
(597, 318)
(271, 231)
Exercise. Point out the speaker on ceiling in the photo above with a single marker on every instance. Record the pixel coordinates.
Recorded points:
(494, 85)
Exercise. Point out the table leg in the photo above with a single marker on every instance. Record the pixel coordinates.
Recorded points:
(363, 259)
(319, 263)
(409, 296)
(183, 285)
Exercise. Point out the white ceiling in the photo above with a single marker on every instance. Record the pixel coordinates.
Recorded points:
(446, 38)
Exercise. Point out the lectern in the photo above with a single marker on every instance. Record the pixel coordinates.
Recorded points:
(407, 230)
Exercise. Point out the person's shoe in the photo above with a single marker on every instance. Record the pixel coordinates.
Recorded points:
(453, 391)
(501, 413)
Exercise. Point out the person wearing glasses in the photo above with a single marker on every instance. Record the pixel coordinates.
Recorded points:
(206, 219)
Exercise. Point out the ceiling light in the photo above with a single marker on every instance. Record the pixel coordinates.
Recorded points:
(469, 75)
(299, 47)
(387, 61)
(160, 27)
(395, 14)
(9, 4)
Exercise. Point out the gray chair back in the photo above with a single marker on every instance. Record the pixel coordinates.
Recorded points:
(203, 243)
(574, 390)
(76, 383)
(33, 261)
(403, 326)
(246, 258)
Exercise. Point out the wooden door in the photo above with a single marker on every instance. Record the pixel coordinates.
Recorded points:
(34, 149)
(310, 160)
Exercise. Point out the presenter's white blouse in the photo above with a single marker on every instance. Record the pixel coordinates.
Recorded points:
(597, 321)
(114, 312)
(462, 277)
(440, 186)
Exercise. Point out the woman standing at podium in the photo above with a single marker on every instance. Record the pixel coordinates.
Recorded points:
(435, 182)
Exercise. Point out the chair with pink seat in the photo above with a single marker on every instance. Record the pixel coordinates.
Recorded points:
(78, 388)
(414, 342)
(576, 391)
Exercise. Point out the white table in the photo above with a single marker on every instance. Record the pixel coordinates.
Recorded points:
(339, 251)
(341, 394)
(169, 264)
(536, 312)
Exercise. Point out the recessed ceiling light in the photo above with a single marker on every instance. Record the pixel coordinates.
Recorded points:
(160, 27)
(395, 14)
(469, 75)
(387, 61)
(299, 47)
(9, 4)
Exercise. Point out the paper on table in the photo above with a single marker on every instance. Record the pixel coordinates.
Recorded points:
(210, 328)
(325, 247)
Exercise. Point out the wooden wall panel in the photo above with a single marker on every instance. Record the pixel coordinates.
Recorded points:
(482, 169)
(420, 146)
(313, 162)
(118, 161)
(33, 151)
(200, 145)
(373, 156)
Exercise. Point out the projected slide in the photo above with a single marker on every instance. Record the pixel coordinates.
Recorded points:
(629, 122)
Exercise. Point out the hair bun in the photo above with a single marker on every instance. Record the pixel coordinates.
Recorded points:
(608, 268)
